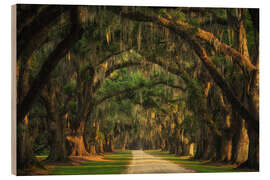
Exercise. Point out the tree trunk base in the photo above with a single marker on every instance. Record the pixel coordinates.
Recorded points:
(77, 146)
(248, 165)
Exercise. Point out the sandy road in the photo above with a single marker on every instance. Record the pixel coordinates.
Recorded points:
(142, 163)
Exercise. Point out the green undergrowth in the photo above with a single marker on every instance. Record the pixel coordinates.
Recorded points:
(198, 166)
(116, 164)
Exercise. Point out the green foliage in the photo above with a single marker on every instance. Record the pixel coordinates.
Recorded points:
(194, 22)
(41, 146)
(59, 31)
(177, 14)
(195, 94)
(91, 31)
(70, 88)
(191, 126)
(219, 60)
(221, 12)
(124, 80)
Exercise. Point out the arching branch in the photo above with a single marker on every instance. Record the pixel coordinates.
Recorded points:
(142, 85)
(53, 59)
(172, 69)
(226, 89)
(186, 30)
(112, 55)
(26, 13)
(114, 68)
(104, 60)
(35, 34)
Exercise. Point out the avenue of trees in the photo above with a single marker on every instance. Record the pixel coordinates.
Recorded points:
(91, 79)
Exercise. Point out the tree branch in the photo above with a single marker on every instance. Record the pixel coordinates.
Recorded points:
(170, 69)
(186, 30)
(26, 14)
(33, 35)
(112, 55)
(158, 82)
(112, 69)
(53, 59)
(226, 89)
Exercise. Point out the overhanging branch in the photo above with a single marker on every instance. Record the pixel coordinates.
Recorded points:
(114, 68)
(142, 85)
(53, 59)
(184, 30)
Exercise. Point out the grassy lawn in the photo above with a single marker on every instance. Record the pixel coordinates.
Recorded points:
(198, 166)
(116, 165)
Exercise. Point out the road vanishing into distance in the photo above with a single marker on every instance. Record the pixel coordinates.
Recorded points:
(143, 163)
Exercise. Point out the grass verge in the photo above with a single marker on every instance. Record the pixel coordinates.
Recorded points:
(198, 166)
(116, 164)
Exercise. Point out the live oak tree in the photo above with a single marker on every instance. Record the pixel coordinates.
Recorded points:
(32, 35)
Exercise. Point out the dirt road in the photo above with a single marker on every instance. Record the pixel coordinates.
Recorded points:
(142, 163)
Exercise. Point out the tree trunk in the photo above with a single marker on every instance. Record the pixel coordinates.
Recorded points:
(252, 92)
(123, 139)
(172, 145)
(209, 151)
(209, 143)
(224, 146)
(185, 149)
(240, 142)
(99, 147)
(57, 141)
(109, 145)
(92, 148)
(163, 145)
(225, 149)
(25, 156)
(199, 146)
(185, 145)
(77, 141)
(77, 146)
(199, 150)
(253, 151)
(191, 149)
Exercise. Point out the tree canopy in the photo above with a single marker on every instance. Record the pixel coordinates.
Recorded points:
(97, 78)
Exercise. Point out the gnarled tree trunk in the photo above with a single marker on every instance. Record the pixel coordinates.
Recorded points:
(57, 125)
(77, 142)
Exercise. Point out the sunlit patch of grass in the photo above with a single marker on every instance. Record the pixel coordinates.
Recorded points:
(41, 157)
(116, 165)
(198, 166)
